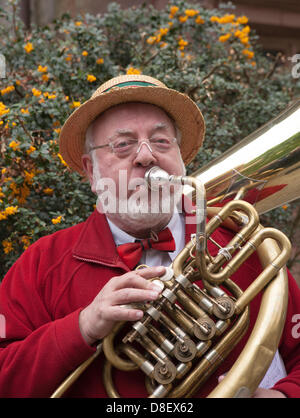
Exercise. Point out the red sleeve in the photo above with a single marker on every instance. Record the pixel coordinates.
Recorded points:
(38, 352)
(290, 344)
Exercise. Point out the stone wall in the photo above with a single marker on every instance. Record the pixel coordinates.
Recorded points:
(44, 11)
(276, 22)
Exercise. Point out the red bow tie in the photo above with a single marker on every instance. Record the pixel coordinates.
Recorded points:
(131, 253)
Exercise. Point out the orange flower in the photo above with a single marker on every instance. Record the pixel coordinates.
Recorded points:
(48, 191)
(163, 31)
(247, 53)
(56, 220)
(199, 20)
(246, 29)
(174, 10)
(7, 90)
(244, 40)
(28, 176)
(75, 104)
(183, 19)
(191, 12)
(224, 38)
(132, 70)
(42, 69)
(227, 18)
(14, 145)
(26, 241)
(30, 150)
(28, 47)
(36, 92)
(62, 160)
(151, 40)
(182, 42)
(91, 78)
(3, 109)
(7, 246)
(242, 20)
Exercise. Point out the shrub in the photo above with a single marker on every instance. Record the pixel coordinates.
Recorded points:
(211, 55)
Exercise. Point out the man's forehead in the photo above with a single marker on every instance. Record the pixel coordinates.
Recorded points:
(120, 117)
(135, 108)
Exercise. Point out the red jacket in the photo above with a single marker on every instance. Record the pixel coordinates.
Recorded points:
(41, 298)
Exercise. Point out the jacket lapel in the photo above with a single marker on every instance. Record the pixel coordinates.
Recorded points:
(96, 244)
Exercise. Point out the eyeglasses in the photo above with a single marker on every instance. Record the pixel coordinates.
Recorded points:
(123, 147)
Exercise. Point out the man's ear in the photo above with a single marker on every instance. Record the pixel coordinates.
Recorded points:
(88, 168)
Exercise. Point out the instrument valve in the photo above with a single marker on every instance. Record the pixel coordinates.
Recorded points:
(185, 350)
(224, 307)
(164, 372)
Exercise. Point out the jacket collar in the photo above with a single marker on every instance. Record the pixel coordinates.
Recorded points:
(95, 243)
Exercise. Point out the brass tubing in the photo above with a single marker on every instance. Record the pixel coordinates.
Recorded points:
(190, 305)
(68, 382)
(156, 392)
(233, 245)
(133, 354)
(136, 358)
(180, 317)
(228, 270)
(200, 211)
(218, 355)
(211, 305)
(245, 252)
(172, 326)
(161, 339)
(110, 352)
(199, 296)
(200, 259)
(108, 380)
(179, 261)
(270, 270)
(253, 362)
(227, 211)
(151, 347)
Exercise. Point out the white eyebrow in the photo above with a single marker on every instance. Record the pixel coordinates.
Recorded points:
(121, 132)
(125, 131)
(159, 126)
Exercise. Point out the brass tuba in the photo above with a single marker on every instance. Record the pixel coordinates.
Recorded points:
(199, 325)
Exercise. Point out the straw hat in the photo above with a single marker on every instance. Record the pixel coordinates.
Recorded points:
(133, 88)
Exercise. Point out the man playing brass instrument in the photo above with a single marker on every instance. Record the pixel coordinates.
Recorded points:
(67, 291)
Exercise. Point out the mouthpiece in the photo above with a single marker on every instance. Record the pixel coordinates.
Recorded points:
(155, 176)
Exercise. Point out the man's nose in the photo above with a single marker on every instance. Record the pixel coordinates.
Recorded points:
(144, 155)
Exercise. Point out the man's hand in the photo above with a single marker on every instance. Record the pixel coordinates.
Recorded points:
(262, 393)
(267, 393)
(98, 318)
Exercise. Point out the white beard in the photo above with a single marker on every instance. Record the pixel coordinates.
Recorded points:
(143, 209)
